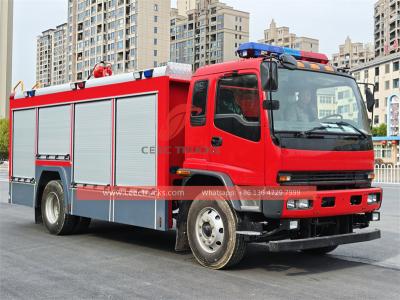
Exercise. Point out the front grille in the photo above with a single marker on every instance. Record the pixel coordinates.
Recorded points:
(326, 178)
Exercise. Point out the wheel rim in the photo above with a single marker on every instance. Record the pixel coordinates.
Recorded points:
(210, 230)
(52, 207)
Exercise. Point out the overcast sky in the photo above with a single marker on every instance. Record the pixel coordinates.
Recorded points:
(330, 21)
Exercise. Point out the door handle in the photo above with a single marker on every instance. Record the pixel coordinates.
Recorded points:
(216, 141)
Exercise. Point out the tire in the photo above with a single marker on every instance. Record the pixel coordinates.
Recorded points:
(55, 217)
(211, 230)
(82, 225)
(320, 251)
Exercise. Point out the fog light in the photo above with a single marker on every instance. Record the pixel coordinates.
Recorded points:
(293, 224)
(372, 199)
(376, 216)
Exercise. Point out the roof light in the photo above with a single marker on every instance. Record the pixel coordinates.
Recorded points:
(253, 50)
(29, 93)
(148, 73)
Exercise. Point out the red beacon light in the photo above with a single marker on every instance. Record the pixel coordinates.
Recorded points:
(254, 50)
(102, 69)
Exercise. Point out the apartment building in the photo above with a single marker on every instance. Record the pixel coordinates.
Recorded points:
(352, 54)
(384, 72)
(51, 56)
(44, 57)
(208, 34)
(129, 34)
(184, 5)
(6, 30)
(387, 27)
(281, 36)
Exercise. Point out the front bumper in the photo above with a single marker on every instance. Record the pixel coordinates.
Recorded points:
(324, 241)
(276, 209)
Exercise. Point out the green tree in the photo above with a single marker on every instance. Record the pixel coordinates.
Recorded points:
(380, 130)
(4, 138)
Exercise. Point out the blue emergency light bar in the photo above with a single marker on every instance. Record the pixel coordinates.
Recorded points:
(254, 50)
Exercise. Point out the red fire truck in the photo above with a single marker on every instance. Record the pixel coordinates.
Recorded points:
(277, 119)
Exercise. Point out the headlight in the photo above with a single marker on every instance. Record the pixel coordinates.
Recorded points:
(298, 204)
(372, 198)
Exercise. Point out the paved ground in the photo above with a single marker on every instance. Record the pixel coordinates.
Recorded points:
(116, 261)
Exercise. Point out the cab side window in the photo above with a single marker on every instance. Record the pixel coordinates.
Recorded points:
(199, 103)
(237, 108)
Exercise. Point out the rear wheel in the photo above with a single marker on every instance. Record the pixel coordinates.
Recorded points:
(211, 230)
(320, 251)
(55, 217)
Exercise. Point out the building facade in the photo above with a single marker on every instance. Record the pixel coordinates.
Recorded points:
(6, 30)
(281, 36)
(129, 34)
(352, 54)
(387, 150)
(208, 34)
(384, 72)
(51, 56)
(184, 5)
(387, 27)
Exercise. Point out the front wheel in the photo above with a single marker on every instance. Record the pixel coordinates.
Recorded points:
(211, 230)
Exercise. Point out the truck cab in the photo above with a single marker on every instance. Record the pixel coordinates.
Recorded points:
(283, 119)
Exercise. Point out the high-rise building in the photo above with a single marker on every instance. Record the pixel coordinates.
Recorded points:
(51, 56)
(6, 29)
(352, 54)
(59, 61)
(281, 36)
(184, 5)
(387, 27)
(208, 34)
(129, 34)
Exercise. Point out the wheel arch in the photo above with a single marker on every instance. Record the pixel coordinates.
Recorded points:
(198, 178)
(44, 176)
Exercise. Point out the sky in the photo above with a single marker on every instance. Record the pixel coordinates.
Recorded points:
(330, 21)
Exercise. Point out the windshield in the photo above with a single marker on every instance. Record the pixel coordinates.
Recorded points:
(319, 102)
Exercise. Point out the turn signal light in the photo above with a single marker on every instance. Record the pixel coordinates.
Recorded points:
(284, 178)
(183, 172)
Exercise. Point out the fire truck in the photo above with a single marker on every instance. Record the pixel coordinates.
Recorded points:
(276, 119)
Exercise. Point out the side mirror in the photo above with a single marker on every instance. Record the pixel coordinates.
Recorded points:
(269, 75)
(370, 99)
(288, 61)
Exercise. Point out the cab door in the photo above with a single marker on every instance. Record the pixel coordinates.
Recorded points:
(236, 136)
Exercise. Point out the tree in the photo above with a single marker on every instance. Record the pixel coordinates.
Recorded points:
(4, 138)
(380, 130)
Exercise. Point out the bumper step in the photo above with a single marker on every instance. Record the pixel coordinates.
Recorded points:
(324, 241)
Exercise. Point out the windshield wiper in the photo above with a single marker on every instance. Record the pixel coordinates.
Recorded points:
(343, 123)
(310, 131)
